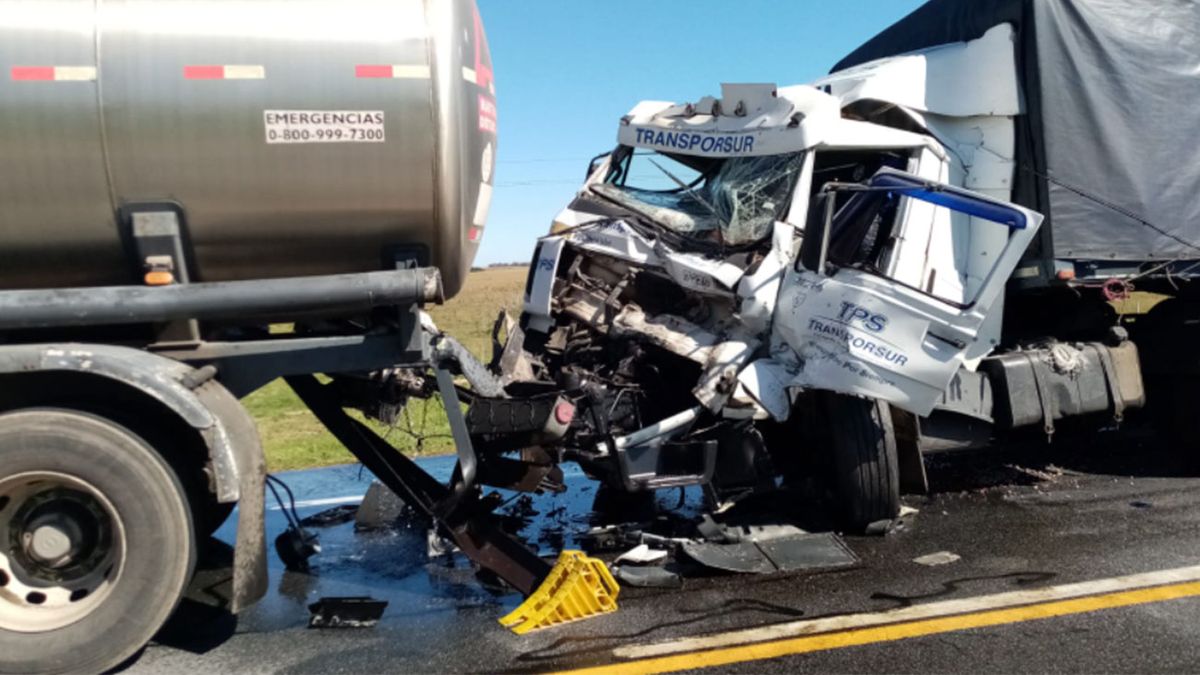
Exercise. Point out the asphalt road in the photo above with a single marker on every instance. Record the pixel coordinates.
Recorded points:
(1036, 523)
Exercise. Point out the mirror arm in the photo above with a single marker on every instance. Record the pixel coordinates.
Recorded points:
(830, 200)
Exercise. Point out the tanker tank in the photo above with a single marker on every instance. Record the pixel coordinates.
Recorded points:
(294, 137)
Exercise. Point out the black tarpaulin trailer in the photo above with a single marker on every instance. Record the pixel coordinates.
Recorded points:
(1111, 90)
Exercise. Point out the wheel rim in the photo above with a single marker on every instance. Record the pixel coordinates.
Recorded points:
(62, 545)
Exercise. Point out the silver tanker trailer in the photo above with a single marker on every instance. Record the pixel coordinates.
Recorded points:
(175, 176)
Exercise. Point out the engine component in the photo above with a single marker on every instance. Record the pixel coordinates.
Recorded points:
(514, 423)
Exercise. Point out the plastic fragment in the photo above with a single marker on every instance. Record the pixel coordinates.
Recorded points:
(939, 558)
(349, 612)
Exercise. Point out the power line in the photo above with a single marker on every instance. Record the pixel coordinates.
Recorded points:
(543, 160)
(532, 183)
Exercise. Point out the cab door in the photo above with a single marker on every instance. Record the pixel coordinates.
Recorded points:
(851, 328)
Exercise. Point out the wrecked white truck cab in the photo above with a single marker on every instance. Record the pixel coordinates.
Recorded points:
(738, 258)
(826, 282)
(867, 329)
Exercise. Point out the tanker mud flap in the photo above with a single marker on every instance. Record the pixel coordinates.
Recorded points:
(250, 549)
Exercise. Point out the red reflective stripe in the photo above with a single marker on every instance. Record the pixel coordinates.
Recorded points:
(204, 72)
(372, 71)
(474, 234)
(483, 72)
(31, 73)
(483, 76)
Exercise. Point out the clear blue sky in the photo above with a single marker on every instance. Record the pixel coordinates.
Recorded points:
(567, 70)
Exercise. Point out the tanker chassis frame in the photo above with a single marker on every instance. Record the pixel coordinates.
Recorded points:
(95, 428)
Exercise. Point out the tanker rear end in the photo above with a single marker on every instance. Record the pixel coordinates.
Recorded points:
(175, 177)
(293, 137)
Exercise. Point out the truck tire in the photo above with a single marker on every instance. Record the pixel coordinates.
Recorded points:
(865, 473)
(1165, 337)
(96, 542)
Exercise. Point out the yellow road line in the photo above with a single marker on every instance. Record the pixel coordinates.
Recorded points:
(897, 631)
(928, 610)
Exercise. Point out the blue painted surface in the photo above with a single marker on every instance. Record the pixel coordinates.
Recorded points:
(392, 564)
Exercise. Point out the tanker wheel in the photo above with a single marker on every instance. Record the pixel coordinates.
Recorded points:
(96, 542)
(864, 471)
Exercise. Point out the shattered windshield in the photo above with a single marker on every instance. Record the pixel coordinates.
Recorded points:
(731, 200)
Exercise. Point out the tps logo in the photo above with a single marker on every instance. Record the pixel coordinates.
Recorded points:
(852, 313)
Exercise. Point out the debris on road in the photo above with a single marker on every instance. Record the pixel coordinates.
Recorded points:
(642, 554)
(380, 508)
(648, 577)
(348, 612)
(939, 558)
(786, 553)
(742, 557)
(332, 516)
(1049, 473)
(880, 527)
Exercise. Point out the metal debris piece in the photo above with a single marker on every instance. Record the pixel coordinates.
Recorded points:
(611, 538)
(742, 557)
(777, 554)
(642, 555)
(939, 558)
(648, 577)
(808, 551)
(380, 508)
(713, 531)
(348, 612)
(295, 546)
(724, 533)
(606, 538)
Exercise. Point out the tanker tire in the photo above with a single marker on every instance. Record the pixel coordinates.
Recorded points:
(865, 471)
(151, 508)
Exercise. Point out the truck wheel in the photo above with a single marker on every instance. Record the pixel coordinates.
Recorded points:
(1165, 333)
(96, 542)
(866, 477)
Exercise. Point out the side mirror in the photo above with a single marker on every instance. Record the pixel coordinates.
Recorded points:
(815, 245)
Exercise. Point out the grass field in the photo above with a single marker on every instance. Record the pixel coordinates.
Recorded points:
(294, 439)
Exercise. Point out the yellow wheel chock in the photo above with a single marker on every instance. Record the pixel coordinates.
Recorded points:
(578, 587)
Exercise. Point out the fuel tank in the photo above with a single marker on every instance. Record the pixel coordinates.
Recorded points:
(294, 137)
